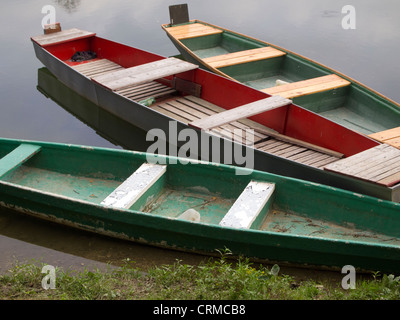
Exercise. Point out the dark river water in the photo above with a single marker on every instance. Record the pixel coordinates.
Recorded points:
(31, 110)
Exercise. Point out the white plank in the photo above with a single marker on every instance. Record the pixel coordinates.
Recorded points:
(62, 36)
(144, 73)
(248, 206)
(135, 186)
(240, 112)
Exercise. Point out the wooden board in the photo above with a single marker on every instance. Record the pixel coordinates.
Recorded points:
(192, 30)
(136, 185)
(143, 73)
(96, 67)
(240, 112)
(62, 36)
(379, 165)
(249, 205)
(244, 56)
(310, 86)
(17, 157)
(391, 137)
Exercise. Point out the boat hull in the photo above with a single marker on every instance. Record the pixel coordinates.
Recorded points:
(206, 238)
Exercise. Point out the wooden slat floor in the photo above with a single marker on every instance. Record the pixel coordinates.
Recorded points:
(189, 108)
(97, 67)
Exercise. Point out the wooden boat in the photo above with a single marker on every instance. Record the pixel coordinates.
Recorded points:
(286, 139)
(162, 201)
(278, 71)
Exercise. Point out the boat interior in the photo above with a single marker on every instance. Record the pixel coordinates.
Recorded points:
(190, 192)
(181, 91)
(277, 71)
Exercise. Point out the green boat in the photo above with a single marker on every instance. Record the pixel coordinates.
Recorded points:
(278, 71)
(199, 206)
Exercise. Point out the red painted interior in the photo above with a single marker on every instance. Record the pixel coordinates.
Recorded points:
(290, 120)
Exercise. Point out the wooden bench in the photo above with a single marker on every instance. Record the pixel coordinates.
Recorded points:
(379, 164)
(391, 137)
(246, 212)
(240, 112)
(135, 186)
(17, 157)
(143, 73)
(192, 30)
(62, 36)
(244, 56)
(310, 86)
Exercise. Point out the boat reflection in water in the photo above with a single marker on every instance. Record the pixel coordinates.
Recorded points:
(107, 125)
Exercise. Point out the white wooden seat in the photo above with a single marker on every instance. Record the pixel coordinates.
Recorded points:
(143, 73)
(245, 212)
(135, 186)
(17, 157)
(240, 112)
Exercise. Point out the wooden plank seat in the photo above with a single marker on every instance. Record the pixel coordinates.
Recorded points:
(62, 36)
(240, 112)
(192, 30)
(189, 108)
(135, 186)
(391, 137)
(250, 208)
(244, 56)
(310, 86)
(379, 164)
(17, 157)
(147, 72)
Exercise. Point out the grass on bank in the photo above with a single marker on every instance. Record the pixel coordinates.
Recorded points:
(213, 280)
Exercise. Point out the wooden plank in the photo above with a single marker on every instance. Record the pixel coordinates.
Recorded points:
(240, 112)
(192, 30)
(301, 143)
(17, 157)
(144, 73)
(378, 164)
(391, 180)
(244, 56)
(314, 85)
(135, 186)
(386, 135)
(391, 137)
(249, 205)
(347, 164)
(62, 36)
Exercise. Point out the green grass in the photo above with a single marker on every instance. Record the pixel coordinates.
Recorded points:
(215, 279)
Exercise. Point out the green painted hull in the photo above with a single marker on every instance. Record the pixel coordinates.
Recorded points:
(356, 106)
(306, 224)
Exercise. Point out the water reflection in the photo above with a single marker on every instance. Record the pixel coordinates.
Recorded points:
(23, 238)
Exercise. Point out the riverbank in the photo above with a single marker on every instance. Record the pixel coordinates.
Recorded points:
(215, 279)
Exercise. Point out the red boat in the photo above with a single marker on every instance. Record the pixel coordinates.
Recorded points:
(150, 91)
